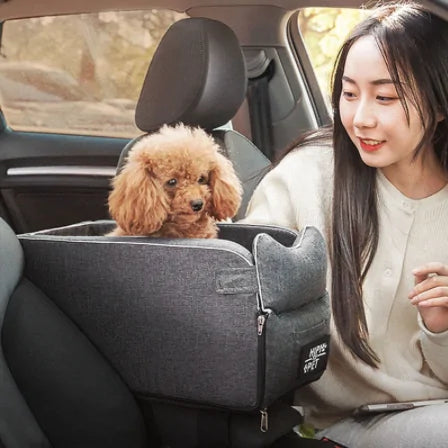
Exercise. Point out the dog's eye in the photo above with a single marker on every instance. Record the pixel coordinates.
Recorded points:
(202, 180)
(171, 182)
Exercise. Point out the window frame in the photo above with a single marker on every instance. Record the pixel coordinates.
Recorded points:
(306, 69)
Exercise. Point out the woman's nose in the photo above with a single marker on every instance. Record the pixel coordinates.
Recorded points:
(364, 116)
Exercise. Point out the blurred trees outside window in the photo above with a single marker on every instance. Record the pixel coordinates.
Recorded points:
(323, 31)
(79, 73)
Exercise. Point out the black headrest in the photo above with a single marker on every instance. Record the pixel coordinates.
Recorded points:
(197, 76)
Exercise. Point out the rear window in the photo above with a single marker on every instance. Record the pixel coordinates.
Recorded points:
(78, 74)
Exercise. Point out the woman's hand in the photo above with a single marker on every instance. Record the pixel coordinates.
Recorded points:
(430, 295)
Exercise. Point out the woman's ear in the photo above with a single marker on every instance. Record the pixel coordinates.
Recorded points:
(137, 202)
(226, 189)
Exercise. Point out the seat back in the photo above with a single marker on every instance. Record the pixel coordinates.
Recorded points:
(18, 427)
(198, 77)
(56, 389)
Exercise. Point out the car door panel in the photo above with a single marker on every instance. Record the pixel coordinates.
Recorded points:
(50, 180)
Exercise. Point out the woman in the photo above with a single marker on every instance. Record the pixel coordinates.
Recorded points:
(384, 217)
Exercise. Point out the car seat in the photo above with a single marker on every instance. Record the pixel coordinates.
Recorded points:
(198, 77)
(56, 389)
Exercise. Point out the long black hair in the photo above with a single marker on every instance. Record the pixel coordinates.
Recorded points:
(414, 44)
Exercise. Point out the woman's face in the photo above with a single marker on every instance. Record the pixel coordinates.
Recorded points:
(371, 111)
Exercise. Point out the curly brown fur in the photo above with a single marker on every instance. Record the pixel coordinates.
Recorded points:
(175, 184)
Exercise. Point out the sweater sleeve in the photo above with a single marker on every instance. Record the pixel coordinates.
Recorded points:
(435, 350)
(272, 203)
(297, 192)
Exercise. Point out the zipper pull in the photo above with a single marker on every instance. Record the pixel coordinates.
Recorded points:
(261, 319)
(264, 420)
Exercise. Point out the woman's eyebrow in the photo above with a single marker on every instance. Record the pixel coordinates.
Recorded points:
(376, 82)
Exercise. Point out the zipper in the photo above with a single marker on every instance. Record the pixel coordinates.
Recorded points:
(261, 326)
(261, 320)
(264, 424)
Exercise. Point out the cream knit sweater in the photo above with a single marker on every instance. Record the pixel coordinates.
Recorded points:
(414, 361)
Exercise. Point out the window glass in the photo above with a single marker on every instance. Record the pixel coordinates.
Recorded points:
(78, 74)
(323, 31)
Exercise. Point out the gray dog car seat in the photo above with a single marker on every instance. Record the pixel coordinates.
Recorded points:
(232, 323)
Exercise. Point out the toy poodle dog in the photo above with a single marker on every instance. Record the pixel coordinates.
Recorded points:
(175, 184)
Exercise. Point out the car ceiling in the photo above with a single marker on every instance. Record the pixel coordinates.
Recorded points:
(265, 31)
(29, 8)
(32, 8)
(238, 14)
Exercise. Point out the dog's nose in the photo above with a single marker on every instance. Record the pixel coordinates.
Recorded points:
(196, 204)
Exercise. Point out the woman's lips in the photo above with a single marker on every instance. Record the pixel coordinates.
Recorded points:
(371, 145)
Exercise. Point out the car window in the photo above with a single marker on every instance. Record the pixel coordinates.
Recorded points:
(80, 73)
(323, 31)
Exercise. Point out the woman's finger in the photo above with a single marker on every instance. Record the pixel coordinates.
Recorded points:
(428, 283)
(431, 268)
(439, 301)
(439, 291)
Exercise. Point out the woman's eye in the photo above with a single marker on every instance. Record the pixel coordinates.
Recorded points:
(385, 99)
(348, 95)
(171, 182)
(202, 180)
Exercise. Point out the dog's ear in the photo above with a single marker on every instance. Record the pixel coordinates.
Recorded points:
(226, 189)
(137, 203)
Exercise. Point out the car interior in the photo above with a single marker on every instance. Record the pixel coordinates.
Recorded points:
(134, 341)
